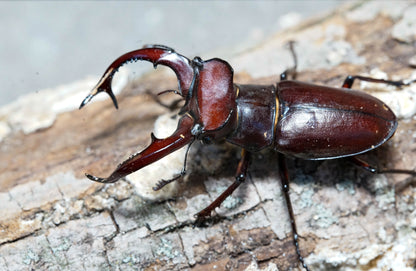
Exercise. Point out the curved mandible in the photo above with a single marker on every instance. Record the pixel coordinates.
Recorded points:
(157, 149)
(157, 54)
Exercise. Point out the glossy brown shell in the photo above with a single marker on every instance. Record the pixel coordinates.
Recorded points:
(215, 94)
(256, 116)
(317, 122)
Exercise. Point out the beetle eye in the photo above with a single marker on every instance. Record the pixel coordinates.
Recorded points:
(207, 140)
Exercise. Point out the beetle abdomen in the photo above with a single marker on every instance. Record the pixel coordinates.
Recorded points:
(317, 122)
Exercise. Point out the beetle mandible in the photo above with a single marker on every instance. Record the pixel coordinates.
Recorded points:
(293, 118)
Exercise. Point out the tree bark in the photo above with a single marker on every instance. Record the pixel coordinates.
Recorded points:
(53, 218)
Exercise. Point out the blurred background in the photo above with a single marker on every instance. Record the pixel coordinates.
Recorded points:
(46, 44)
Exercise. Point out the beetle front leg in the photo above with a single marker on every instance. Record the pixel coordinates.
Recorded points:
(239, 178)
(162, 183)
(284, 176)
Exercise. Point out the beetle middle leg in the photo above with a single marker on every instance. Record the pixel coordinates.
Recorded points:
(239, 178)
(284, 177)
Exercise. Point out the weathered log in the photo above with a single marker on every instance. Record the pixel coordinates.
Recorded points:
(53, 218)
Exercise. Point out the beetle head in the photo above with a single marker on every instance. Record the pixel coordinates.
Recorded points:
(209, 111)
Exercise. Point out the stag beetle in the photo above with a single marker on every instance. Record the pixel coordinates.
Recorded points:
(293, 118)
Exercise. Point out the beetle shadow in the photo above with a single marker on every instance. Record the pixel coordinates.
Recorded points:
(126, 126)
(217, 161)
(223, 160)
(220, 161)
(341, 172)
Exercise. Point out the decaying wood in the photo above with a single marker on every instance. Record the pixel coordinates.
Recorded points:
(53, 218)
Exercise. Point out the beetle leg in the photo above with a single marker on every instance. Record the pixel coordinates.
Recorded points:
(158, 149)
(376, 170)
(350, 80)
(162, 182)
(290, 71)
(239, 178)
(156, 54)
(284, 176)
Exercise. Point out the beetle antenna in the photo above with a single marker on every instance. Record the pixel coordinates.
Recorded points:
(172, 105)
(169, 91)
(160, 184)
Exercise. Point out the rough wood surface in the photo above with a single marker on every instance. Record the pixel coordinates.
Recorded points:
(53, 218)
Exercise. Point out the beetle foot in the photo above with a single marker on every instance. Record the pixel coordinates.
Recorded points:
(202, 217)
(206, 220)
(201, 220)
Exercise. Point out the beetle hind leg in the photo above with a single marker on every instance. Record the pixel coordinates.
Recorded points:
(376, 170)
(349, 81)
